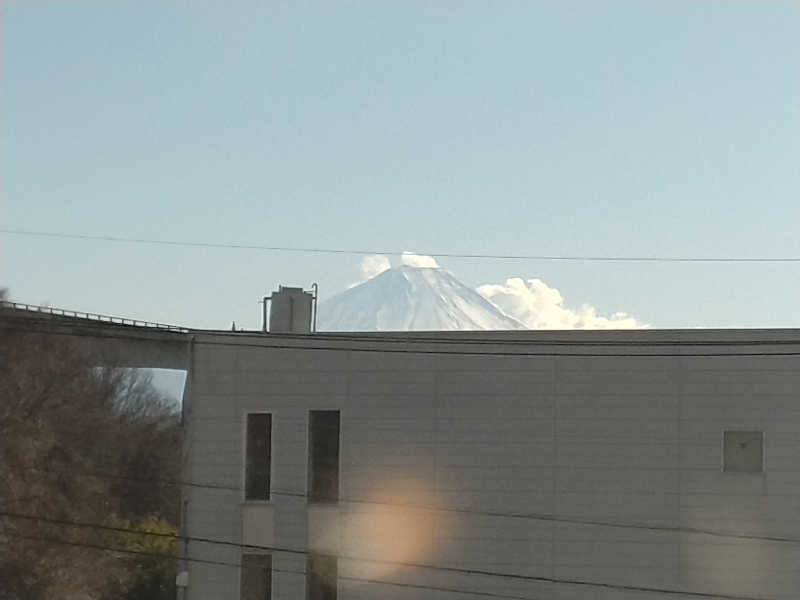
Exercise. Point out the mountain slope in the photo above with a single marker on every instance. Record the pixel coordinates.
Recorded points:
(411, 299)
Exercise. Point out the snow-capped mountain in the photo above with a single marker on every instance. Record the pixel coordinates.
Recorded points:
(408, 298)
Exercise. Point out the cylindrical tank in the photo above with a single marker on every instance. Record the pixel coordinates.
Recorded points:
(290, 310)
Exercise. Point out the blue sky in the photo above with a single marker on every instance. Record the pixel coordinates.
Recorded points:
(599, 128)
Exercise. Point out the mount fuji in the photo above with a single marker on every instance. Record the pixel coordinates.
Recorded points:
(410, 298)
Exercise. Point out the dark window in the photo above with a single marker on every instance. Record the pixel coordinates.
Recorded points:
(256, 577)
(258, 461)
(322, 575)
(323, 456)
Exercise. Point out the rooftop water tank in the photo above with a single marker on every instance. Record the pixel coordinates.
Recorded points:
(290, 310)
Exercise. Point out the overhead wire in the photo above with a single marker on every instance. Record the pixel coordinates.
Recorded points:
(384, 252)
(75, 332)
(117, 529)
(489, 338)
(470, 338)
(501, 353)
(457, 510)
(423, 566)
(270, 569)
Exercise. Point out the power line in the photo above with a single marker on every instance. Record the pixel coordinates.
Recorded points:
(74, 332)
(139, 552)
(442, 338)
(447, 338)
(173, 536)
(271, 568)
(435, 588)
(413, 338)
(450, 509)
(38, 538)
(420, 337)
(308, 250)
(457, 570)
(502, 353)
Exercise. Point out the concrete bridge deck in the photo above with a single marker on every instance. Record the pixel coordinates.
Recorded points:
(110, 340)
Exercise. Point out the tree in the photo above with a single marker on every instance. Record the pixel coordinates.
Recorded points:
(150, 576)
(146, 454)
(79, 444)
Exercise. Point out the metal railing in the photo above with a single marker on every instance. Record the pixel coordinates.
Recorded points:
(72, 314)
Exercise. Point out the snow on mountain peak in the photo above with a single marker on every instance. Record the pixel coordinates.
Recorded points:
(411, 259)
(417, 296)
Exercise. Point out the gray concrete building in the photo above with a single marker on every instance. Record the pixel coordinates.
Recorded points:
(567, 465)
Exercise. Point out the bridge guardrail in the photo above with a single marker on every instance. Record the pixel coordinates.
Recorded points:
(61, 312)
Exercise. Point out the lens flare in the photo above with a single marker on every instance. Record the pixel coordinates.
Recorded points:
(399, 525)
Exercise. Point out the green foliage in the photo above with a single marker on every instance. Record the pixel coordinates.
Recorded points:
(152, 572)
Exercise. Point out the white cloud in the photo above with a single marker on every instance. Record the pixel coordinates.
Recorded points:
(540, 306)
(374, 265)
(410, 259)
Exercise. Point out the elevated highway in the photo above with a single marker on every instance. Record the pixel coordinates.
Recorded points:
(103, 339)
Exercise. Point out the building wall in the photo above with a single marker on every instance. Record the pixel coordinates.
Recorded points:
(494, 442)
